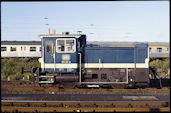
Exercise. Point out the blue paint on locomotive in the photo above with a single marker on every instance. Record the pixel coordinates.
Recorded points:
(141, 52)
(116, 54)
(91, 55)
(50, 58)
(109, 54)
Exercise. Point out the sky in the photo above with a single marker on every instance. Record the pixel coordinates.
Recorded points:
(132, 21)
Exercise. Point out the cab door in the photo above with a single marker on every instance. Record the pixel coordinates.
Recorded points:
(49, 54)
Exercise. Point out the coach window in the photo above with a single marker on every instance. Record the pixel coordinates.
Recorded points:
(3, 48)
(149, 49)
(40, 49)
(167, 49)
(33, 49)
(13, 49)
(159, 50)
(49, 47)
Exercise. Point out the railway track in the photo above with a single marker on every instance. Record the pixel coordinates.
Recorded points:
(158, 83)
(84, 106)
(29, 86)
(37, 89)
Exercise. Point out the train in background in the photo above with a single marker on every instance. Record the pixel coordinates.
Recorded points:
(67, 60)
(20, 49)
(32, 49)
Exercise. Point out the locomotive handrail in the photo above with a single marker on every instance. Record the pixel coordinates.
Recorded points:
(79, 67)
(31, 70)
(54, 56)
(134, 61)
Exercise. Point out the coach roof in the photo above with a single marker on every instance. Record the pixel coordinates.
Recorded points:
(20, 42)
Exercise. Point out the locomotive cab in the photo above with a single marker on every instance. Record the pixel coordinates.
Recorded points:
(60, 57)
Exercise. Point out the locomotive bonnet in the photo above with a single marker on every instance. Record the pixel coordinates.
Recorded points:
(66, 58)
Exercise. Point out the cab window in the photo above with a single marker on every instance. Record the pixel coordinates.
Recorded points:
(49, 47)
(65, 45)
(69, 45)
(60, 45)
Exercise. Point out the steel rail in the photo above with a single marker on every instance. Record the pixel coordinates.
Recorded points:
(63, 109)
(116, 106)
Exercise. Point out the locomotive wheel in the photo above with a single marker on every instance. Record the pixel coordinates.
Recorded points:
(118, 86)
(131, 85)
(46, 85)
(143, 85)
(67, 85)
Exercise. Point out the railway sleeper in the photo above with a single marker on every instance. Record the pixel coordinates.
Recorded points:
(40, 104)
(51, 109)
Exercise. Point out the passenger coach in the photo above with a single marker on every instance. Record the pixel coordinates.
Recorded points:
(20, 49)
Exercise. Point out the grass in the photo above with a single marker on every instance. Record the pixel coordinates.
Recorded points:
(11, 67)
(162, 66)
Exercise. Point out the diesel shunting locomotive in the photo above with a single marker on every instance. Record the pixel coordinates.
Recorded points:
(66, 59)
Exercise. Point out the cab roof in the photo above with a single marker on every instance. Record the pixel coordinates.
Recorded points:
(61, 35)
